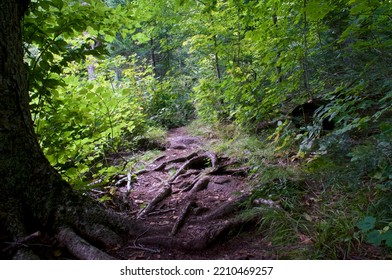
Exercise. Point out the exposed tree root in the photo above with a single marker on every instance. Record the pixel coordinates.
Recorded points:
(161, 166)
(181, 218)
(202, 168)
(223, 170)
(181, 178)
(226, 208)
(165, 192)
(202, 241)
(195, 172)
(196, 162)
(101, 235)
(79, 247)
(198, 184)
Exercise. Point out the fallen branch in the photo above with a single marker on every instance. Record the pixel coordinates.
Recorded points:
(20, 242)
(129, 180)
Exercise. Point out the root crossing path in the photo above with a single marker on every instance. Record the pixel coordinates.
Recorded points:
(189, 199)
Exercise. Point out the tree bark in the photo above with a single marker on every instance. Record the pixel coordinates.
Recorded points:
(33, 196)
(278, 70)
(217, 68)
(152, 54)
(305, 61)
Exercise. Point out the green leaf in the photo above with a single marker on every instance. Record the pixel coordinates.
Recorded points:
(72, 172)
(317, 10)
(105, 198)
(374, 237)
(388, 238)
(141, 38)
(368, 223)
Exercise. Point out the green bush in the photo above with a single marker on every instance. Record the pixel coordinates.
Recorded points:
(87, 120)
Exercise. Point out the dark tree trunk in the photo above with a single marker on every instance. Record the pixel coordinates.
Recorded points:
(153, 59)
(33, 197)
(217, 68)
(278, 66)
(305, 61)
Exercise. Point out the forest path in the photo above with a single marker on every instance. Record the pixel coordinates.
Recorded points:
(189, 198)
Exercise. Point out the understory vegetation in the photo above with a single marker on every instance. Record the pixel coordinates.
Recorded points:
(320, 206)
(298, 91)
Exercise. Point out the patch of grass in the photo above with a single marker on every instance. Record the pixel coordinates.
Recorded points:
(149, 155)
(233, 141)
(279, 228)
(322, 196)
(153, 138)
(334, 212)
(156, 135)
(150, 146)
(314, 224)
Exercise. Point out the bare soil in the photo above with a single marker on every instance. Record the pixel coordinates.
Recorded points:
(188, 203)
(190, 197)
(192, 203)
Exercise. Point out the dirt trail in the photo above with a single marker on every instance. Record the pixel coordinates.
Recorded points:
(189, 197)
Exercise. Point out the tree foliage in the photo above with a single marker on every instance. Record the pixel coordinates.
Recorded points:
(101, 72)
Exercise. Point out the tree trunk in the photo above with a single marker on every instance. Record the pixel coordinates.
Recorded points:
(278, 70)
(152, 54)
(217, 68)
(33, 197)
(305, 62)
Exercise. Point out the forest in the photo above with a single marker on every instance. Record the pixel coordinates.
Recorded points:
(196, 129)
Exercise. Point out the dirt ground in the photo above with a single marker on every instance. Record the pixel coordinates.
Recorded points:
(191, 201)
(205, 212)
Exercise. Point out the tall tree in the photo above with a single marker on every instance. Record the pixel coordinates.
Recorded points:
(33, 196)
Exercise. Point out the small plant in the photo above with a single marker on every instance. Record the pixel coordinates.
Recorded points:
(374, 233)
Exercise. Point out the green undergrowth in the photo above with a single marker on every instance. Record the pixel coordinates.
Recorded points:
(332, 203)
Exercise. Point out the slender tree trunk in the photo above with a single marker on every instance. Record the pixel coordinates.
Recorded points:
(305, 62)
(217, 68)
(152, 53)
(239, 39)
(278, 66)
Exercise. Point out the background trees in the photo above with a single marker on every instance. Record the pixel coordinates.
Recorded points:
(103, 74)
